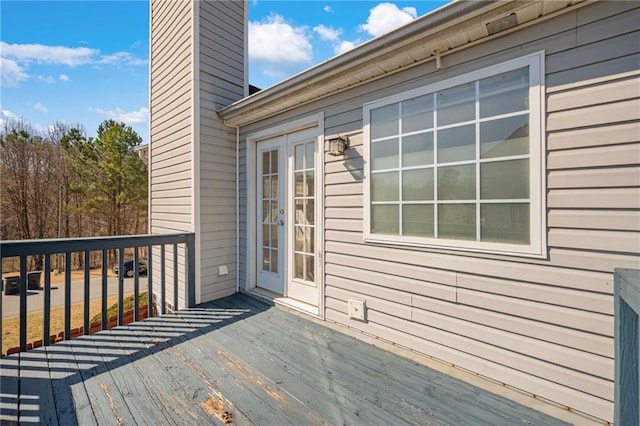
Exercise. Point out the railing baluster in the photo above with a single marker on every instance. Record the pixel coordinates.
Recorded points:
(23, 303)
(121, 286)
(87, 299)
(46, 326)
(163, 275)
(1, 322)
(67, 296)
(104, 290)
(149, 282)
(175, 277)
(136, 284)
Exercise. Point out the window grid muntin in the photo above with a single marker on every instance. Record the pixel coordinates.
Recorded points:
(435, 129)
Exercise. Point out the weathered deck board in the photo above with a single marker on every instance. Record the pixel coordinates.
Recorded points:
(242, 361)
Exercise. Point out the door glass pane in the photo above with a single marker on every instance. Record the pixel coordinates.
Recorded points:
(417, 220)
(299, 238)
(384, 186)
(299, 212)
(505, 137)
(505, 223)
(457, 221)
(266, 263)
(274, 161)
(266, 240)
(504, 93)
(310, 241)
(457, 182)
(385, 219)
(417, 114)
(266, 187)
(504, 180)
(274, 186)
(417, 185)
(266, 211)
(417, 150)
(309, 186)
(298, 266)
(265, 162)
(310, 209)
(384, 155)
(309, 268)
(299, 184)
(274, 236)
(457, 104)
(457, 144)
(310, 155)
(384, 121)
(299, 160)
(274, 261)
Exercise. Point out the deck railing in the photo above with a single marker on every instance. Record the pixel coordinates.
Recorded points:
(155, 245)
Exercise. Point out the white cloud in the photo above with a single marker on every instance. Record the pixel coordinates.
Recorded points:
(46, 79)
(125, 58)
(132, 117)
(345, 46)
(327, 33)
(12, 73)
(39, 53)
(275, 43)
(5, 116)
(64, 77)
(386, 17)
(328, 9)
(39, 107)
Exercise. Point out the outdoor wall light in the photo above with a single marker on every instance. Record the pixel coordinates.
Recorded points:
(338, 145)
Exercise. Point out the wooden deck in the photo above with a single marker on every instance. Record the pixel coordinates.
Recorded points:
(238, 361)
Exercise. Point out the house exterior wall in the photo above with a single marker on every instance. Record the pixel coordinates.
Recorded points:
(222, 81)
(197, 66)
(171, 147)
(542, 325)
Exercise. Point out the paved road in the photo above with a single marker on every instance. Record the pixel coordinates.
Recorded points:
(35, 298)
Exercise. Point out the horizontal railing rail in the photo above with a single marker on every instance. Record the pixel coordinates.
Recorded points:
(154, 244)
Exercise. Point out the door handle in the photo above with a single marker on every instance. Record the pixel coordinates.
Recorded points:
(281, 222)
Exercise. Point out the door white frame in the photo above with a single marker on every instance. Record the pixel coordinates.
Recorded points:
(251, 164)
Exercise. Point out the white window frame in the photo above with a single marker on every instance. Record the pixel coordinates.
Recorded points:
(537, 166)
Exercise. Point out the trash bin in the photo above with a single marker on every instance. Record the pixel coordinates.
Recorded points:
(11, 285)
(33, 280)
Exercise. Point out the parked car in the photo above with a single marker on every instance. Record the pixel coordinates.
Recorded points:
(128, 267)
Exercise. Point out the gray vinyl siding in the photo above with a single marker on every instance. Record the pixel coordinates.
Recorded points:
(221, 82)
(542, 325)
(171, 150)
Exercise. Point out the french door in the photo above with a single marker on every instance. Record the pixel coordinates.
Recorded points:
(286, 251)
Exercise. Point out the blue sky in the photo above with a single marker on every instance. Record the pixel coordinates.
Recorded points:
(82, 62)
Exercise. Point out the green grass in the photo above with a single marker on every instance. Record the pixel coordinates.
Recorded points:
(127, 303)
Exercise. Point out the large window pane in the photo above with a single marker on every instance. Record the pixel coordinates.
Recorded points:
(385, 219)
(385, 186)
(417, 114)
(417, 185)
(417, 220)
(457, 182)
(384, 121)
(505, 223)
(504, 93)
(457, 144)
(417, 150)
(384, 155)
(504, 180)
(457, 104)
(457, 221)
(505, 137)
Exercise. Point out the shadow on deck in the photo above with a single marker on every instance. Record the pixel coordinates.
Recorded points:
(238, 361)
